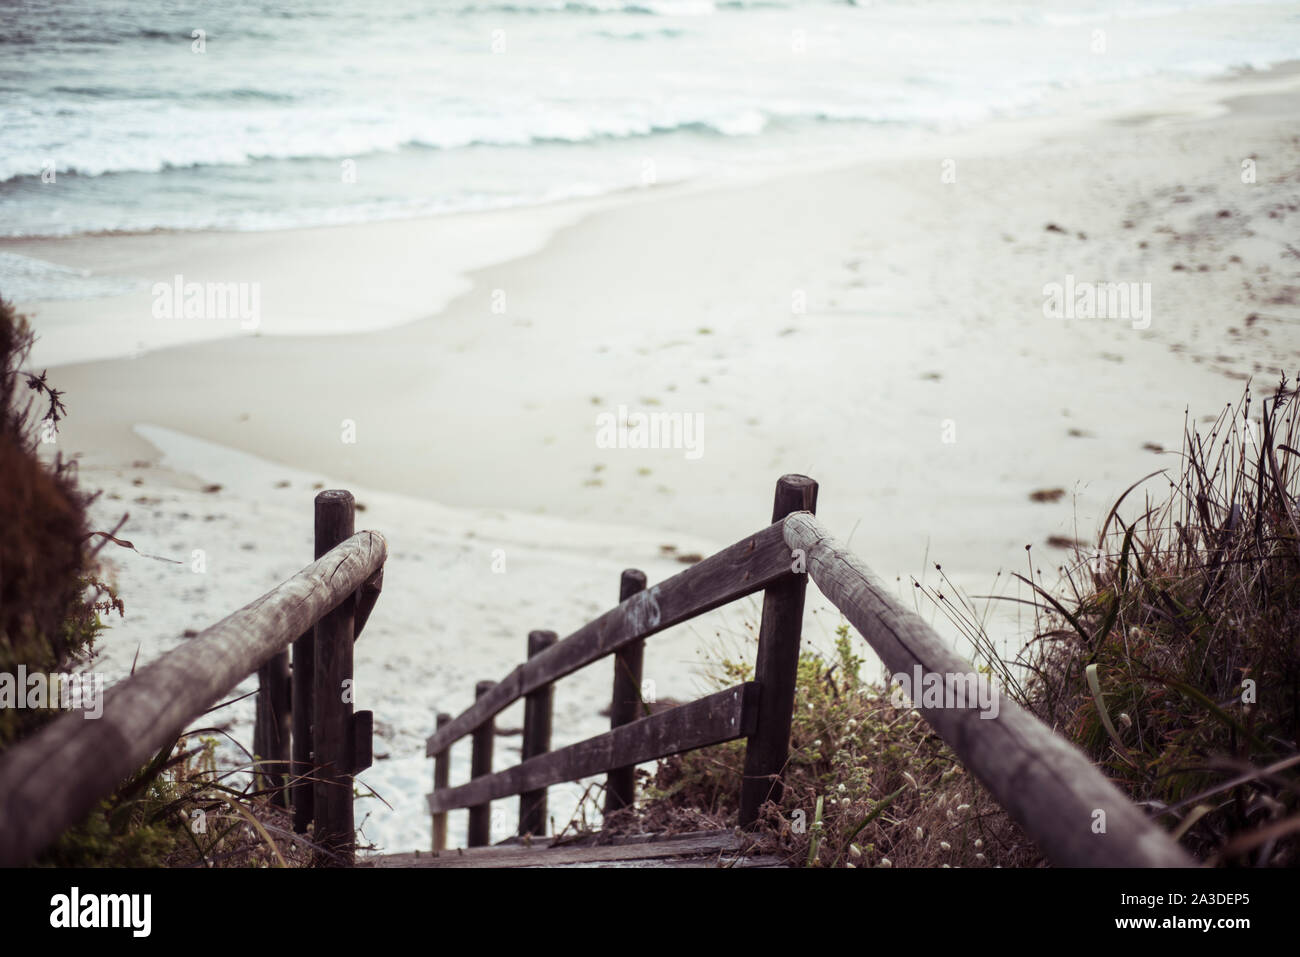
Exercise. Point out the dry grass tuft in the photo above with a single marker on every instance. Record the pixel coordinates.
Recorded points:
(1172, 654)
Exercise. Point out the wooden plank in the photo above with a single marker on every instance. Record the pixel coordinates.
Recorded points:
(708, 845)
(480, 813)
(1043, 781)
(722, 861)
(537, 738)
(748, 566)
(779, 633)
(720, 717)
(625, 704)
(52, 779)
(332, 728)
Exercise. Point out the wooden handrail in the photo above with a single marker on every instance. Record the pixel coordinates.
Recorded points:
(50, 781)
(1076, 816)
(750, 565)
(714, 719)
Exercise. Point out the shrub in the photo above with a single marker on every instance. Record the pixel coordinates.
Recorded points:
(50, 597)
(867, 785)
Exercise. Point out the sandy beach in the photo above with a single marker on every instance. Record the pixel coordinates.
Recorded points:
(879, 325)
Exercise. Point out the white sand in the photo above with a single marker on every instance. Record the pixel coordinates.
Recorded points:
(476, 428)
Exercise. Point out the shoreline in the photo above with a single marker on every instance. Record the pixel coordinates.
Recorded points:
(496, 237)
(1198, 90)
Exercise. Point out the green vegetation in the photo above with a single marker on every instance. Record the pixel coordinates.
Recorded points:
(868, 784)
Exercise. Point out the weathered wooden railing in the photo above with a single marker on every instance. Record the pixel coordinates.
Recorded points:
(1077, 817)
(760, 562)
(50, 781)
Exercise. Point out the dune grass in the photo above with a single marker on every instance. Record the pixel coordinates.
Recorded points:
(1171, 656)
(1169, 652)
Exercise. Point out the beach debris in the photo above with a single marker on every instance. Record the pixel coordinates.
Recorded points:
(1047, 495)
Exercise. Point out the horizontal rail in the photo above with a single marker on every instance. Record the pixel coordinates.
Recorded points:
(51, 780)
(739, 570)
(1042, 781)
(720, 717)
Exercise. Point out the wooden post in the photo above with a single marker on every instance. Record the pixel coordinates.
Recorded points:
(332, 727)
(480, 816)
(441, 779)
(620, 785)
(537, 739)
(303, 678)
(271, 730)
(768, 748)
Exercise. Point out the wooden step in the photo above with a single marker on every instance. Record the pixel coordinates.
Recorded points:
(698, 849)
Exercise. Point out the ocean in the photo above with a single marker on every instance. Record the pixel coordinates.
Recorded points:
(148, 115)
